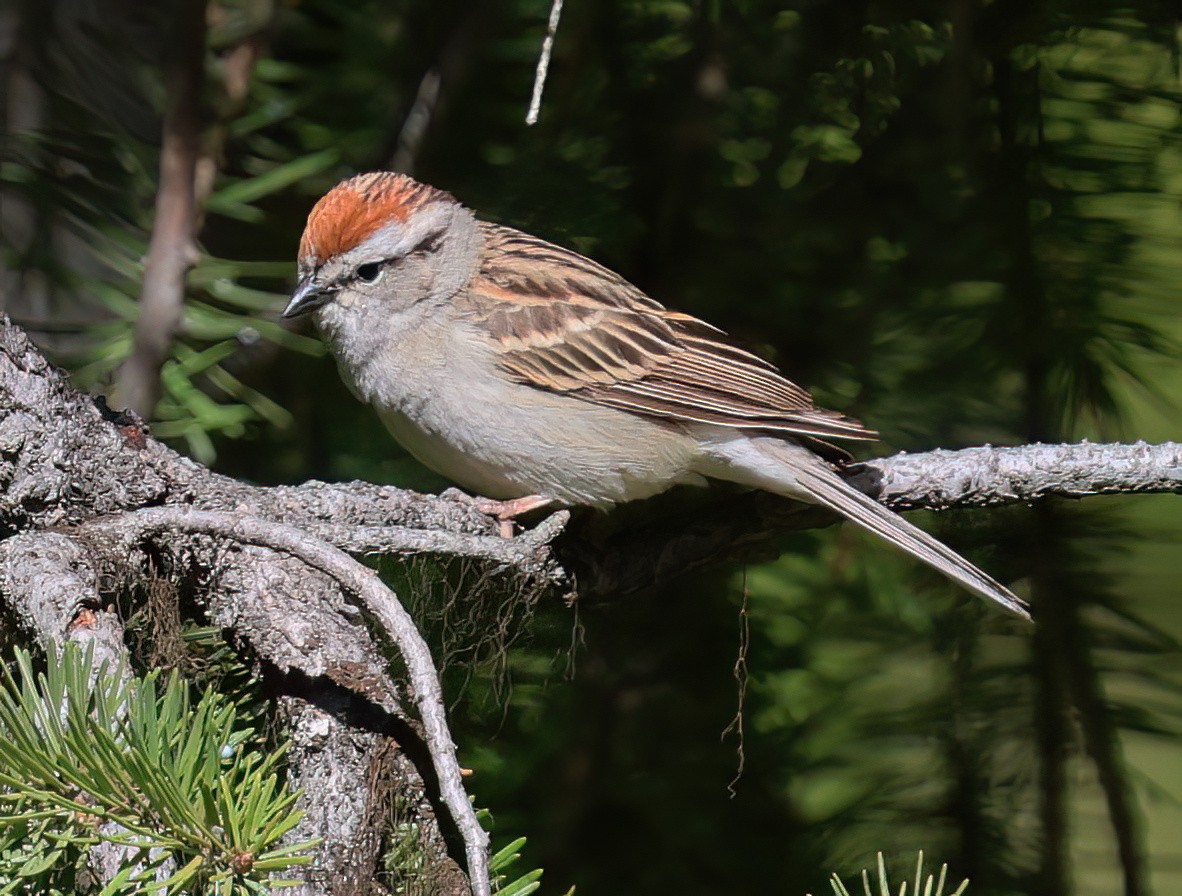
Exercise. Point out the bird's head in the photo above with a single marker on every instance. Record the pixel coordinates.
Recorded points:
(383, 236)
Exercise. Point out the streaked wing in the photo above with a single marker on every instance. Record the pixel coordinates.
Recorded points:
(566, 324)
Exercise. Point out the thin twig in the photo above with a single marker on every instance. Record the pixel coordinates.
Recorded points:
(414, 127)
(382, 603)
(170, 249)
(742, 675)
(535, 103)
(521, 553)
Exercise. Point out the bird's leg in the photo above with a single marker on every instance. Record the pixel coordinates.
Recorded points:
(506, 512)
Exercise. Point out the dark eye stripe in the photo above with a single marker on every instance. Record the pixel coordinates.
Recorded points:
(430, 244)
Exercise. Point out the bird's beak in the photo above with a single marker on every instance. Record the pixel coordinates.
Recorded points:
(308, 296)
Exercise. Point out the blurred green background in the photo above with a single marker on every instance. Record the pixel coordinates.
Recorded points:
(959, 221)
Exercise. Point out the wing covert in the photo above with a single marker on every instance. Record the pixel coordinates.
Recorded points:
(564, 323)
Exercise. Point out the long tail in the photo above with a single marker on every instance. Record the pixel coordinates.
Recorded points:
(829, 490)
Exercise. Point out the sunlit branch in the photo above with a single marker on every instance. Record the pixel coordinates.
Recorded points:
(535, 103)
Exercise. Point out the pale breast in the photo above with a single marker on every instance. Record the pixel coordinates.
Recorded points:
(439, 391)
(518, 442)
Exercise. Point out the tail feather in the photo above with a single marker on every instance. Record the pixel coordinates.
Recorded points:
(830, 491)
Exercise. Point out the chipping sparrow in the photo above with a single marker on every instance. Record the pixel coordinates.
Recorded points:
(524, 371)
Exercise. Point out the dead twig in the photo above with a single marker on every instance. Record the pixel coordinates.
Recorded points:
(170, 249)
(414, 128)
(535, 103)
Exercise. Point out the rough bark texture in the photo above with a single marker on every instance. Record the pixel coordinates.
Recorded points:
(68, 463)
(117, 537)
(90, 502)
(328, 757)
(990, 477)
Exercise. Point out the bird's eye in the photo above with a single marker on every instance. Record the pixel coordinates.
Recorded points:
(369, 273)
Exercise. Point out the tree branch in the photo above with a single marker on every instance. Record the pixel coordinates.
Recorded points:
(51, 583)
(335, 691)
(992, 477)
(52, 473)
(414, 127)
(535, 103)
(379, 600)
(328, 759)
(170, 250)
(745, 527)
(71, 465)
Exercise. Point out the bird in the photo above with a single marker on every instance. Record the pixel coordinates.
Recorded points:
(533, 376)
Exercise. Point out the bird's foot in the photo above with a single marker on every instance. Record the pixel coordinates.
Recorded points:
(506, 512)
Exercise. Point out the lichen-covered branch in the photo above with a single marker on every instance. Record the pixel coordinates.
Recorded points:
(377, 598)
(991, 477)
(54, 472)
(89, 500)
(49, 581)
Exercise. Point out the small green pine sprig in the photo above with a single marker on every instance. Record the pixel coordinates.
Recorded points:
(404, 857)
(499, 865)
(931, 886)
(95, 756)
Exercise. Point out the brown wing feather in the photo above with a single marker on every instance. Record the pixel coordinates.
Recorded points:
(566, 324)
